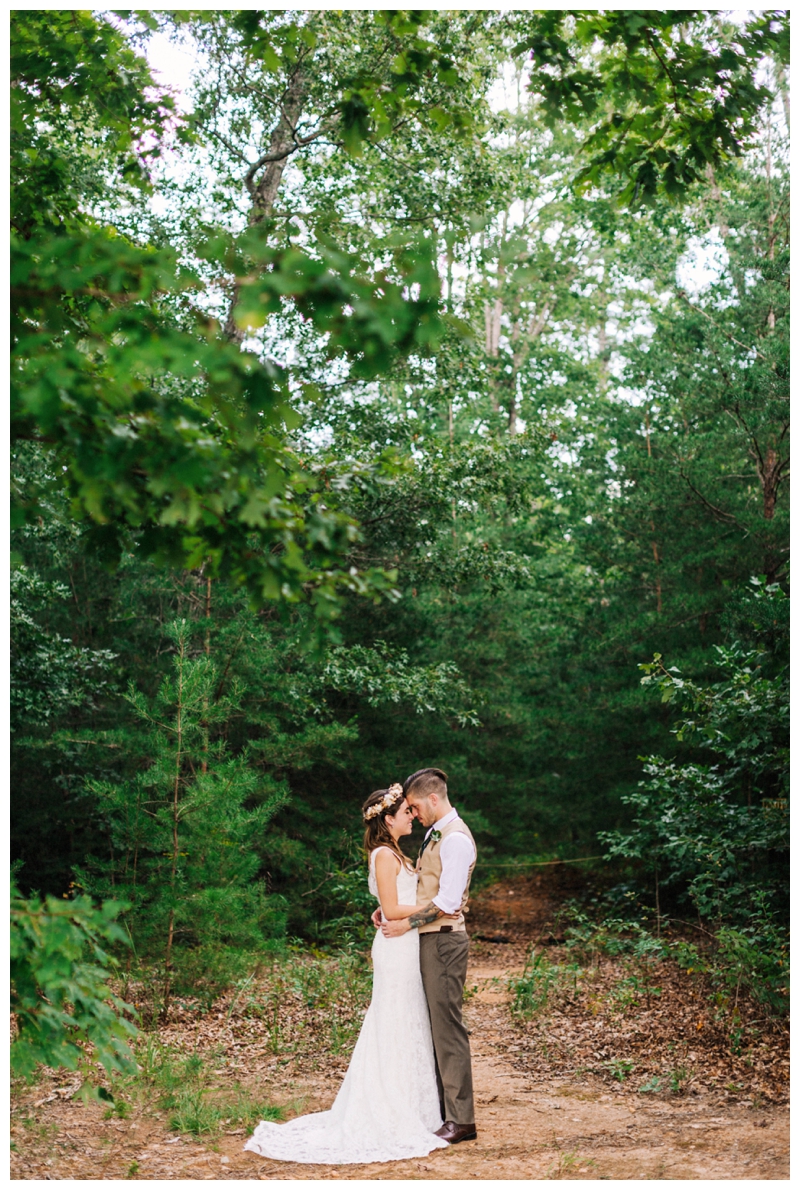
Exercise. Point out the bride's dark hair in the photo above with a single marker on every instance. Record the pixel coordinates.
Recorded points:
(376, 832)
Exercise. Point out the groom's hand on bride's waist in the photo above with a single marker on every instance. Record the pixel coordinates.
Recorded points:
(422, 917)
(377, 919)
(393, 929)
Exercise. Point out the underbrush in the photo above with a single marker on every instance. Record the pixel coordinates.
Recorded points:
(542, 984)
(202, 974)
(657, 1013)
(311, 1002)
(195, 1068)
(751, 961)
(298, 1000)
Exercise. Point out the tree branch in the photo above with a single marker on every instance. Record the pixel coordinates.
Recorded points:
(682, 295)
(725, 517)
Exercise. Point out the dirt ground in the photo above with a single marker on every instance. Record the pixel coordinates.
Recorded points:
(534, 1120)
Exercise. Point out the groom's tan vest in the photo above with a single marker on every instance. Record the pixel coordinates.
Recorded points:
(430, 873)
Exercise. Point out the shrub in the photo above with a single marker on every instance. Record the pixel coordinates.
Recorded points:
(349, 897)
(716, 828)
(60, 1000)
(541, 981)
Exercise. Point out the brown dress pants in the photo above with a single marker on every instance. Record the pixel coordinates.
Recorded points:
(443, 965)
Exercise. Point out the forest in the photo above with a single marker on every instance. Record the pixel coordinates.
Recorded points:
(412, 389)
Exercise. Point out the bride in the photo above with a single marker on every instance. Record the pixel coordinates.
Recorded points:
(387, 1107)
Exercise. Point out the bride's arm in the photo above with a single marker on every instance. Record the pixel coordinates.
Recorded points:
(386, 868)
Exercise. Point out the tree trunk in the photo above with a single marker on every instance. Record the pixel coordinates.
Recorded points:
(769, 474)
(770, 221)
(521, 348)
(175, 819)
(657, 560)
(282, 144)
(207, 651)
(516, 362)
(492, 315)
(783, 91)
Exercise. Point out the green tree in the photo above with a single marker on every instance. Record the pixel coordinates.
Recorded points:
(161, 432)
(668, 94)
(718, 828)
(182, 838)
(48, 672)
(515, 396)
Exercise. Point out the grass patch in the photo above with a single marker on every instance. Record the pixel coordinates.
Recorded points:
(194, 1113)
(619, 1068)
(182, 1088)
(678, 1078)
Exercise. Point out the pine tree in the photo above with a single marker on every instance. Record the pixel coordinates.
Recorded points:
(182, 833)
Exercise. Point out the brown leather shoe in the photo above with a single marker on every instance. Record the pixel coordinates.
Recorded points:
(455, 1133)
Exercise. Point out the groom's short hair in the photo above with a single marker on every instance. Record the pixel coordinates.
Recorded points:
(425, 782)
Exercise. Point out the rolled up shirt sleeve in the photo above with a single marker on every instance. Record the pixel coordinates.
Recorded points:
(457, 853)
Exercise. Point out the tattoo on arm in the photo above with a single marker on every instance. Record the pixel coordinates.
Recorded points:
(424, 916)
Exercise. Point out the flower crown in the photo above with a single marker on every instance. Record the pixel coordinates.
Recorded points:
(389, 798)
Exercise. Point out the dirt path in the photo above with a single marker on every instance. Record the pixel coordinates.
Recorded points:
(533, 1121)
(566, 1129)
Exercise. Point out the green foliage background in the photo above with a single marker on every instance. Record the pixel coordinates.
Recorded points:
(401, 419)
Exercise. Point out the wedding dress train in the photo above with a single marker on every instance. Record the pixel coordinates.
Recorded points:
(387, 1107)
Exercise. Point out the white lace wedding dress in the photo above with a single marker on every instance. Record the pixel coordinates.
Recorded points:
(387, 1108)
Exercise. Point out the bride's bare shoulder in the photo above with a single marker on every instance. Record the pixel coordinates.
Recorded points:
(378, 854)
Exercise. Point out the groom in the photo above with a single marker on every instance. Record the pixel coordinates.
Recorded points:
(445, 865)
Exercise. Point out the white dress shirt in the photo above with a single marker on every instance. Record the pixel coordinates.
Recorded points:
(457, 852)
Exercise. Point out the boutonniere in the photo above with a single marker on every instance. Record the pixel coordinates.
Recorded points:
(433, 837)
